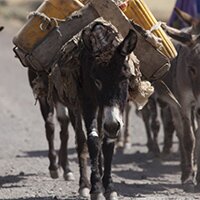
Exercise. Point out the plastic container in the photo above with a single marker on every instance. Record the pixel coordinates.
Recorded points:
(33, 32)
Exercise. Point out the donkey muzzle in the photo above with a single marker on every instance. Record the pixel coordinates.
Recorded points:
(112, 122)
(112, 129)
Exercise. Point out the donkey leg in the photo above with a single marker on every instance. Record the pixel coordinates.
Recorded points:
(82, 151)
(183, 157)
(195, 120)
(146, 119)
(189, 142)
(63, 120)
(189, 149)
(108, 148)
(94, 147)
(124, 139)
(127, 137)
(168, 128)
(155, 125)
(186, 146)
(47, 113)
(197, 149)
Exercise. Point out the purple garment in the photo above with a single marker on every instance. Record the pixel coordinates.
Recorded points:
(188, 6)
(198, 6)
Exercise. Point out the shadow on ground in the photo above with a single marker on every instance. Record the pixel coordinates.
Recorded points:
(42, 153)
(137, 181)
(10, 181)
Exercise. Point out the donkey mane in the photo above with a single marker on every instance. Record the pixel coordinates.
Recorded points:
(103, 39)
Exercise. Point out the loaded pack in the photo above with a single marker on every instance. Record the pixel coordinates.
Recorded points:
(49, 41)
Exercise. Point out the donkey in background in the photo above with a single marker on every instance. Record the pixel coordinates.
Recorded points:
(183, 80)
(48, 111)
(149, 115)
(185, 84)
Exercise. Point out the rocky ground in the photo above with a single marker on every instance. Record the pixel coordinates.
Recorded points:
(23, 148)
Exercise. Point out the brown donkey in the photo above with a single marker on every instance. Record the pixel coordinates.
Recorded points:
(39, 82)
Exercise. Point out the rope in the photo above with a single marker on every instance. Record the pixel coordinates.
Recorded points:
(47, 22)
(156, 26)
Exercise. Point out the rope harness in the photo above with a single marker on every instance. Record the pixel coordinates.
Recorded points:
(103, 39)
(47, 22)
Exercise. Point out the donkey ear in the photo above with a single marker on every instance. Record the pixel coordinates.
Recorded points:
(188, 19)
(182, 37)
(129, 43)
(186, 39)
(85, 35)
(178, 35)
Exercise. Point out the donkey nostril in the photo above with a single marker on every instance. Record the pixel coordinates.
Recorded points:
(198, 112)
(112, 127)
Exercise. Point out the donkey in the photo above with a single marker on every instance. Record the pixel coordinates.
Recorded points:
(149, 115)
(184, 82)
(102, 89)
(103, 97)
(152, 124)
(149, 112)
(39, 83)
(47, 110)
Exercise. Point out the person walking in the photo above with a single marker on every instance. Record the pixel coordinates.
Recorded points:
(198, 7)
(188, 6)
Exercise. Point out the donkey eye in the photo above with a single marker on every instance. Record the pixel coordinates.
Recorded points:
(98, 84)
(123, 82)
(192, 71)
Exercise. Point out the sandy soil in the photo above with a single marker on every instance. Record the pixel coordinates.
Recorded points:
(23, 148)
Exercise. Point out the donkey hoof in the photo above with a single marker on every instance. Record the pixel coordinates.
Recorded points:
(97, 196)
(69, 176)
(54, 174)
(84, 192)
(111, 196)
(197, 188)
(189, 186)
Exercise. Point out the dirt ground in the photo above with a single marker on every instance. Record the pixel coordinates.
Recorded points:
(23, 147)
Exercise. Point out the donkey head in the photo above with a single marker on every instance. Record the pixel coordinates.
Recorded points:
(110, 80)
(189, 55)
(192, 22)
(193, 66)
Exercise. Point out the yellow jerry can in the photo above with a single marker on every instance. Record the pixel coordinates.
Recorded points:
(138, 11)
(42, 21)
